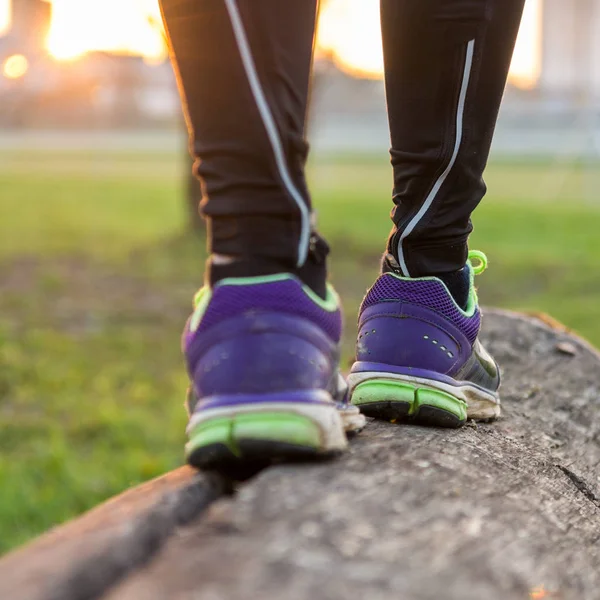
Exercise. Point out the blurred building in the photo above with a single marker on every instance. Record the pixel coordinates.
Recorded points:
(571, 48)
(30, 24)
(23, 57)
(102, 90)
(97, 90)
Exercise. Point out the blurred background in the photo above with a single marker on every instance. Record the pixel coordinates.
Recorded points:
(101, 249)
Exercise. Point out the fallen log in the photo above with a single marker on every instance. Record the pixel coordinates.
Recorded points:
(509, 510)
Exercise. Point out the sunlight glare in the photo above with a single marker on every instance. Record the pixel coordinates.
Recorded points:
(349, 32)
(526, 65)
(79, 26)
(4, 16)
(15, 66)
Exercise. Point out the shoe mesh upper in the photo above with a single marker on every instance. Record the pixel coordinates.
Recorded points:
(429, 293)
(286, 296)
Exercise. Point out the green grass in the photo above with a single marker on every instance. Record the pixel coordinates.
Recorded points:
(96, 280)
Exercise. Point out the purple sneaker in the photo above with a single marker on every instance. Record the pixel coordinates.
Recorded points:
(418, 358)
(262, 354)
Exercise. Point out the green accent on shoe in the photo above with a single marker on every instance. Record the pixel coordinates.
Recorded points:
(442, 400)
(201, 300)
(331, 303)
(391, 390)
(256, 279)
(265, 426)
(278, 427)
(474, 270)
(381, 390)
(215, 431)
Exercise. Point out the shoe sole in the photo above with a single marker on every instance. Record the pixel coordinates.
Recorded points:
(353, 420)
(232, 438)
(420, 401)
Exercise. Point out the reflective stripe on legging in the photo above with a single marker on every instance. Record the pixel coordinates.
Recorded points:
(270, 126)
(442, 178)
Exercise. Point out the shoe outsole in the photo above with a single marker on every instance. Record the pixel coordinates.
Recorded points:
(253, 456)
(402, 402)
(398, 412)
(247, 440)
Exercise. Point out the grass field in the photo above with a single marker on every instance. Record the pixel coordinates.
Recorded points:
(97, 276)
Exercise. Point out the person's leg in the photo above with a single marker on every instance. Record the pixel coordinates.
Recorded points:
(262, 344)
(243, 70)
(446, 66)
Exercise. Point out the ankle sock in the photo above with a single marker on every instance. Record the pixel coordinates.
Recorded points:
(459, 285)
(313, 273)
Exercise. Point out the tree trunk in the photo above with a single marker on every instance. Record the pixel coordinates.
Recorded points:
(509, 510)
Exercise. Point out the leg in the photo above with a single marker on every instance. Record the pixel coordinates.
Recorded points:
(446, 67)
(418, 357)
(262, 344)
(243, 70)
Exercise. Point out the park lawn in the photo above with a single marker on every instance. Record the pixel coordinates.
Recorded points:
(96, 279)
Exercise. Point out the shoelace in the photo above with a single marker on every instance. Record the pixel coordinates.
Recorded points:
(478, 260)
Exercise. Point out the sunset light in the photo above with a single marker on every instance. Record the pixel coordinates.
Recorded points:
(15, 66)
(110, 25)
(4, 16)
(527, 59)
(348, 32)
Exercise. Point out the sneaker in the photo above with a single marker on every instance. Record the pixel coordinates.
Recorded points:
(418, 358)
(262, 354)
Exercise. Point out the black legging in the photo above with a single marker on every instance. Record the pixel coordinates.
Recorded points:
(244, 69)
